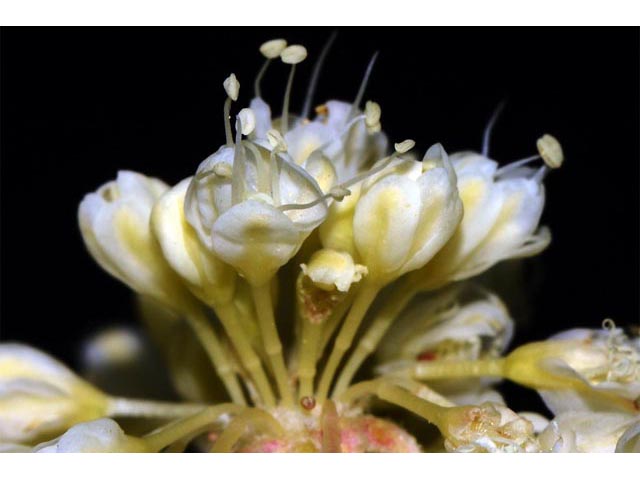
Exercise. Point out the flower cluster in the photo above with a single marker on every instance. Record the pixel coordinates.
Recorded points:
(295, 252)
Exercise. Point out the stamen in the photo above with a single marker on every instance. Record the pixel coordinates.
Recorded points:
(317, 68)
(363, 86)
(405, 146)
(372, 114)
(276, 140)
(291, 55)
(540, 174)
(237, 178)
(232, 87)
(322, 110)
(337, 193)
(247, 120)
(341, 134)
(263, 167)
(402, 147)
(278, 145)
(486, 136)
(222, 170)
(550, 150)
(623, 360)
(517, 164)
(608, 324)
(269, 50)
(273, 48)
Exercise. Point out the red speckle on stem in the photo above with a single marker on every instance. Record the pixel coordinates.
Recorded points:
(426, 356)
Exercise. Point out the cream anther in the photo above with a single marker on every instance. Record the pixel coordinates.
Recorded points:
(372, 114)
(232, 87)
(247, 120)
(273, 48)
(550, 150)
(293, 54)
(223, 170)
(339, 192)
(404, 147)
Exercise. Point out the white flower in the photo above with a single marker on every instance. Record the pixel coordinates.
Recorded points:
(454, 325)
(207, 276)
(405, 214)
(114, 222)
(502, 209)
(338, 132)
(98, 436)
(590, 432)
(606, 360)
(253, 209)
(581, 370)
(40, 397)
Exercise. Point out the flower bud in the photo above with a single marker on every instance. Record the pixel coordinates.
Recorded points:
(504, 222)
(500, 221)
(452, 326)
(114, 222)
(404, 216)
(255, 226)
(581, 370)
(40, 398)
(208, 277)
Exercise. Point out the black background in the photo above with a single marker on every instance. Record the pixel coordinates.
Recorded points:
(79, 104)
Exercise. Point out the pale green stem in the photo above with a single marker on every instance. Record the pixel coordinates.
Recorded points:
(180, 429)
(310, 341)
(227, 315)
(363, 300)
(436, 370)
(360, 390)
(133, 407)
(334, 320)
(271, 339)
(207, 336)
(398, 299)
(431, 412)
(259, 420)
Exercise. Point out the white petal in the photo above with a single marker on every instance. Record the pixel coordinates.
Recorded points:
(255, 238)
(386, 219)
